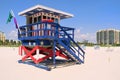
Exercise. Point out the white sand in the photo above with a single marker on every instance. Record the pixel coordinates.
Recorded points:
(102, 64)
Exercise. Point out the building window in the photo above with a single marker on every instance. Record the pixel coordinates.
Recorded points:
(56, 20)
(111, 37)
(48, 18)
(52, 19)
(35, 20)
(44, 17)
(30, 20)
(39, 19)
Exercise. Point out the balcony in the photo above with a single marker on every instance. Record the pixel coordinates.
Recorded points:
(44, 30)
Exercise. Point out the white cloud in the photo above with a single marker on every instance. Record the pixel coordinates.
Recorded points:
(91, 37)
(12, 35)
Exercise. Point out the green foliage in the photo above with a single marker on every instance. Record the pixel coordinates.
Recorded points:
(1, 42)
(106, 45)
(86, 43)
(10, 43)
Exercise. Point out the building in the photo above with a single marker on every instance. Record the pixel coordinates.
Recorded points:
(2, 36)
(108, 36)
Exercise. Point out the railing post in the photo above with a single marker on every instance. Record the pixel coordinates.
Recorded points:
(73, 33)
(37, 32)
(56, 31)
(54, 54)
(19, 34)
(78, 51)
(46, 29)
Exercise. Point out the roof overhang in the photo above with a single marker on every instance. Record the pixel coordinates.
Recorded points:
(40, 8)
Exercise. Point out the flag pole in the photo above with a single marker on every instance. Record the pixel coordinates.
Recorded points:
(15, 21)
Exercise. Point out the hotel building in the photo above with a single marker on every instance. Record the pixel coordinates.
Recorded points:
(108, 36)
(2, 36)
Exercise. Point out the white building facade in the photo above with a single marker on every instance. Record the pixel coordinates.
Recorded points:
(108, 36)
(2, 36)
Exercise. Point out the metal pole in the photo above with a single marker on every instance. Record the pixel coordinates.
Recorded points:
(54, 54)
(78, 52)
(73, 33)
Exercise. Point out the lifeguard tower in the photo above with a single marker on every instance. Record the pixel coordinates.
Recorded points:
(45, 41)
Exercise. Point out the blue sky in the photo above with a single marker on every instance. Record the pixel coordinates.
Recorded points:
(89, 15)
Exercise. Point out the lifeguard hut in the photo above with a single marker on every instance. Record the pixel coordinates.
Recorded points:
(44, 40)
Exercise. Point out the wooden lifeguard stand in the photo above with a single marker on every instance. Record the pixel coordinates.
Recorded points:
(42, 35)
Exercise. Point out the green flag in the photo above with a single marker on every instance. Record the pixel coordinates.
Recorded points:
(9, 17)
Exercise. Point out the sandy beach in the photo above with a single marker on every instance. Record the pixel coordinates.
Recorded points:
(100, 64)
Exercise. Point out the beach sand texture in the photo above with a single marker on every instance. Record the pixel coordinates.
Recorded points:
(100, 64)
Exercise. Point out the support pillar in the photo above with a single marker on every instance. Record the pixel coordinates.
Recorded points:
(37, 52)
(54, 54)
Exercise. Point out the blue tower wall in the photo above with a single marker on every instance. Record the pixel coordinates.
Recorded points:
(45, 35)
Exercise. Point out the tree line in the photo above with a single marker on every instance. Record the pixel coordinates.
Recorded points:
(87, 43)
(10, 43)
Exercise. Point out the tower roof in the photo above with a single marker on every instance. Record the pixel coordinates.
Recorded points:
(40, 8)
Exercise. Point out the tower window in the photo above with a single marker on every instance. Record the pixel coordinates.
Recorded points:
(35, 20)
(39, 19)
(44, 17)
(30, 20)
(48, 18)
(56, 20)
(53, 19)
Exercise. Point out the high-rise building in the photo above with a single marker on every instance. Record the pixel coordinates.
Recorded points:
(108, 36)
(2, 36)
